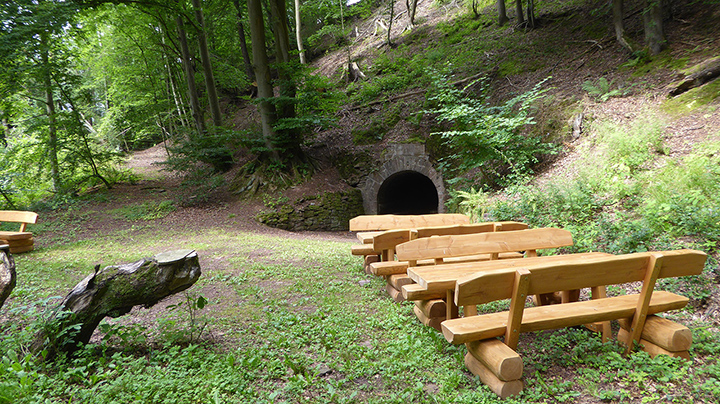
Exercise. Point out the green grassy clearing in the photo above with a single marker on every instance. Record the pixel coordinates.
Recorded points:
(289, 320)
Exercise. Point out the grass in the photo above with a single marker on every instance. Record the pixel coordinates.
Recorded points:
(289, 320)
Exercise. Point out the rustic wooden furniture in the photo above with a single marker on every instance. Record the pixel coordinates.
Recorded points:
(499, 366)
(370, 226)
(386, 242)
(436, 284)
(21, 240)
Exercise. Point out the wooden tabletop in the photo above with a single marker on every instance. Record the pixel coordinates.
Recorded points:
(366, 237)
(442, 277)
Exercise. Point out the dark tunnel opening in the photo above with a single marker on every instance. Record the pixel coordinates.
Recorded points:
(407, 193)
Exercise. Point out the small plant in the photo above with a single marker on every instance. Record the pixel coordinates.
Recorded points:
(188, 308)
(601, 90)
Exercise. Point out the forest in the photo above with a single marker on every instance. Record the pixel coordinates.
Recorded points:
(134, 127)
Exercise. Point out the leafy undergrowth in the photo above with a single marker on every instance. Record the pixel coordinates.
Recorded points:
(297, 320)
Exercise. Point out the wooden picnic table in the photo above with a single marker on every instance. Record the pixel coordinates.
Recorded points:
(438, 281)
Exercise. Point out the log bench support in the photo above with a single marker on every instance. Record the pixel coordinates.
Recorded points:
(635, 313)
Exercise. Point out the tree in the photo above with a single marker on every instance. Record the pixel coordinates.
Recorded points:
(207, 66)
(653, 22)
(502, 14)
(261, 66)
(298, 29)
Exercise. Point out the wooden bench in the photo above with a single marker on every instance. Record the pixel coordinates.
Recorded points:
(465, 248)
(369, 226)
(384, 243)
(500, 367)
(21, 240)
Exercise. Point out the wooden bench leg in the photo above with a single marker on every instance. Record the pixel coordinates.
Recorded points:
(452, 309)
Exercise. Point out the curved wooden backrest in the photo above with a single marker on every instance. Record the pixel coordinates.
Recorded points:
(483, 243)
(17, 216)
(495, 285)
(392, 222)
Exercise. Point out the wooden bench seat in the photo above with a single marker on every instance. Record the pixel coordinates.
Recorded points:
(595, 272)
(21, 240)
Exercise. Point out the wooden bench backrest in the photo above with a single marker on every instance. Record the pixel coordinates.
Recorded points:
(558, 276)
(483, 243)
(392, 238)
(392, 222)
(17, 216)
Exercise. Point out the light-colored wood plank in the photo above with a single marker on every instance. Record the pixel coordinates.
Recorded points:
(417, 292)
(367, 237)
(390, 239)
(641, 311)
(391, 222)
(399, 280)
(462, 330)
(664, 333)
(362, 249)
(17, 216)
(521, 285)
(501, 388)
(441, 277)
(497, 357)
(386, 268)
(553, 275)
(14, 235)
(492, 242)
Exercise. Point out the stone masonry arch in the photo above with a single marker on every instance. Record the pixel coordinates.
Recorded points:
(409, 160)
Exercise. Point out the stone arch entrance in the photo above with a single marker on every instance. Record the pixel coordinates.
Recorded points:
(407, 193)
(406, 183)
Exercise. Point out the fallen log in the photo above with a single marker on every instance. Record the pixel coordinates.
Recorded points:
(8, 276)
(113, 292)
(703, 73)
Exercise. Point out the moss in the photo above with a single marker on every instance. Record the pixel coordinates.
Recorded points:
(330, 211)
(693, 99)
(353, 167)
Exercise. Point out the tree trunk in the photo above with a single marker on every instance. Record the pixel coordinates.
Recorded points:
(298, 28)
(8, 277)
(519, 11)
(502, 13)
(412, 10)
(653, 20)
(390, 21)
(113, 292)
(243, 43)
(268, 115)
(207, 66)
(618, 13)
(531, 13)
(190, 78)
(703, 73)
(50, 108)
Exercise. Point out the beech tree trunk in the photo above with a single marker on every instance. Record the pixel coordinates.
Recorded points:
(268, 115)
(519, 11)
(207, 66)
(298, 28)
(50, 108)
(113, 292)
(190, 78)
(502, 13)
(243, 43)
(653, 21)
(8, 277)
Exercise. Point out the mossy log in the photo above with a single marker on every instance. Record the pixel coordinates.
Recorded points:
(7, 273)
(113, 292)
